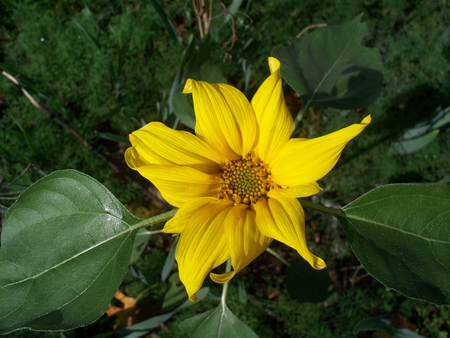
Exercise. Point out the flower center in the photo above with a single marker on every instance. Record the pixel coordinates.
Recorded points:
(244, 181)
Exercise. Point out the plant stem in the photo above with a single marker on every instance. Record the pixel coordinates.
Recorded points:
(298, 118)
(149, 233)
(225, 285)
(157, 218)
(318, 207)
(277, 256)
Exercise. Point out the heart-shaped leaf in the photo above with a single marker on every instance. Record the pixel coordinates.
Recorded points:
(219, 322)
(330, 67)
(401, 234)
(66, 245)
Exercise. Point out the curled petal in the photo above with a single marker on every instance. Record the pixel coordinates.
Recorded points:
(303, 161)
(179, 185)
(274, 119)
(224, 118)
(283, 219)
(202, 245)
(245, 241)
(157, 144)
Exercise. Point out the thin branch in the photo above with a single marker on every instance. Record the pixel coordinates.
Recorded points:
(277, 256)
(60, 122)
(199, 20)
(19, 176)
(310, 27)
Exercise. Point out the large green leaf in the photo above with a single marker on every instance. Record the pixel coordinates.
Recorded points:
(306, 284)
(330, 67)
(66, 245)
(219, 322)
(401, 234)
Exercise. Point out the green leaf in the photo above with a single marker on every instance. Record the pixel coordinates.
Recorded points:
(330, 67)
(232, 10)
(85, 31)
(114, 138)
(26, 137)
(408, 146)
(170, 261)
(176, 293)
(140, 243)
(305, 284)
(383, 324)
(198, 66)
(66, 245)
(141, 328)
(422, 133)
(166, 21)
(182, 107)
(219, 322)
(401, 235)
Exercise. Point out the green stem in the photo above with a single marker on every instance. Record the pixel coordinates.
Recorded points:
(225, 285)
(318, 207)
(157, 219)
(299, 116)
(277, 256)
(149, 233)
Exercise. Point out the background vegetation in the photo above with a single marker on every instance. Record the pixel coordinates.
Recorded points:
(105, 68)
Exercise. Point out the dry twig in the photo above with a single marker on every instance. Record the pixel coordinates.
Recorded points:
(310, 27)
(60, 122)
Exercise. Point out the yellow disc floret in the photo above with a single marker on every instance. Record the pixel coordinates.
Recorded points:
(245, 180)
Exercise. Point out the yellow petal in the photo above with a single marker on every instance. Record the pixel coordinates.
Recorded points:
(283, 219)
(245, 241)
(296, 191)
(202, 245)
(224, 118)
(274, 119)
(177, 223)
(179, 185)
(303, 161)
(157, 144)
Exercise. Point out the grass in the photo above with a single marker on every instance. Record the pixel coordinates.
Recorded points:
(108, 67)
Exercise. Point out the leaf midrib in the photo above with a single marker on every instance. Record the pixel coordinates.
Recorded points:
(370, 221)
(331, 68)
(129, 229)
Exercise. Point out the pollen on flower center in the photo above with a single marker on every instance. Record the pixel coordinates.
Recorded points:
(244, 181)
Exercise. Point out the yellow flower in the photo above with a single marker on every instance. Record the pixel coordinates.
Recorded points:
(237, 180)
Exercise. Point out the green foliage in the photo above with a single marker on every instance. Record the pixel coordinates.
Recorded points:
(108, 86)
(346, 75)
(219, 322)
(422, 133)
(399, 233)
(77, 234)
(118, 71)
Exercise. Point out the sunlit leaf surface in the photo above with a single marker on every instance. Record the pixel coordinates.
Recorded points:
(66, 245)
(330, 67)
(219, 322)
(401, 234)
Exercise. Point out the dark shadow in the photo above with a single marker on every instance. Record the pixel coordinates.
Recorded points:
(402, 113)
(363, 87)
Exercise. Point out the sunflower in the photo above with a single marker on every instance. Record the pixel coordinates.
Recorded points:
(237, 180)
